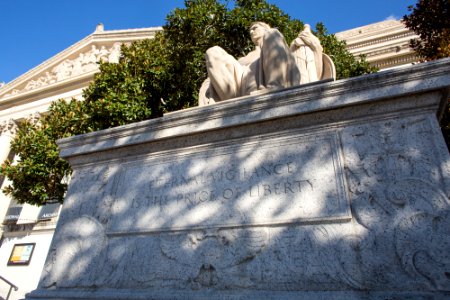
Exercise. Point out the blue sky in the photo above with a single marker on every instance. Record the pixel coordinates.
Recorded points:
(34, 31)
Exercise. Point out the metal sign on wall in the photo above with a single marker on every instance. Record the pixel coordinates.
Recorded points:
(21, 254)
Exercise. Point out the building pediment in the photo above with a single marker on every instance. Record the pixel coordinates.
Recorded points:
(76, 63)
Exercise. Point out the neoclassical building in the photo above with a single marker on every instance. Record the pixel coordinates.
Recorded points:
(384, 44)
(27, 230)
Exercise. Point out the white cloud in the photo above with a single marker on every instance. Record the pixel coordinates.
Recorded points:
(391, 17)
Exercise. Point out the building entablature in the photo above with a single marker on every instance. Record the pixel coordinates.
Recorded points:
(71, 69)
(384, 44)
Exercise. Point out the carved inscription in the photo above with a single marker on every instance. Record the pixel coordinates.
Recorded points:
(233, 180)
(255, 184)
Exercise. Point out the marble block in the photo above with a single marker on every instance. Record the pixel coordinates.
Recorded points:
(331, 190)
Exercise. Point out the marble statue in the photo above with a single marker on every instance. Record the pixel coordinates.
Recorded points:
(103, 54)
(114, 53)
(269, 66)
(313, 64)
(308, 55)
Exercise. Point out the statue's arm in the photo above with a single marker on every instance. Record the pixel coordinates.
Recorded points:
(250, 57)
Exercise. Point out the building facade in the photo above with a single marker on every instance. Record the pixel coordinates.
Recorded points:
(27, 230)
(385, 45)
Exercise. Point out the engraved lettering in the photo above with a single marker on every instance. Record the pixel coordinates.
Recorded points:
(254, 191)
(290, 167)
(179, 198)
(238, 191)
(230, 175)
(212, 196)
(277, 188)
(203, 196)
(287, 187)
(190, 197)
(227, 194)
(267, 190)
(277, 169)
(265, 171)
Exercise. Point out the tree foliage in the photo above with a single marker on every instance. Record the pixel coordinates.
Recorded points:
(430, 19)
(153, 76)
(40, 175)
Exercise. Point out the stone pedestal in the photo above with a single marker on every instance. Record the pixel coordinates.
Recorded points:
(334, 190)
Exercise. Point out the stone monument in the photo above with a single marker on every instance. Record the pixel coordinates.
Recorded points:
(270, 66)
(336, 190)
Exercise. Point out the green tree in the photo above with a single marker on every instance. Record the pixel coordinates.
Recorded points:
(152, 76)
(130, 90)
(40, 174)
(346, 64)
(430, 19)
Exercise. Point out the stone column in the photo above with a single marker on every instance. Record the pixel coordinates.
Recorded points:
(8, 130)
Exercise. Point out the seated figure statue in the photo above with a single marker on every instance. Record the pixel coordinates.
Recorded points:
(271, 65)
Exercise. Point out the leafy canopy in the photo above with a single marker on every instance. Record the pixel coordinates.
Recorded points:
(430, 19)
(153, 76)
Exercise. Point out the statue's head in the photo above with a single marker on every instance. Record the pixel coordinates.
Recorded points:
(257, 31)
(307, 27)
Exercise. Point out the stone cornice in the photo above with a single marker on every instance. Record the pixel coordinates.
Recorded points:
(66, 85)
(401, 36)
(126, 35)
(397, 61)
(371, 29)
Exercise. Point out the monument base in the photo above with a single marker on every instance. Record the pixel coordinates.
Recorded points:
(333, 190)
(115, 294)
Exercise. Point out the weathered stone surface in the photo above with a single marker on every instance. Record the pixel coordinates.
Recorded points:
(284, 179)
(338, 190)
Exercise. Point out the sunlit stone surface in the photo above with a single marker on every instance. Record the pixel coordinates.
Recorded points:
(335, 190)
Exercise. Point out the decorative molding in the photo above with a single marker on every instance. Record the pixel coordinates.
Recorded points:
(34, 118)
(369, 29)
(63, 63)
(397, 61)
(385, 39)
(8, 127)
(86, 62)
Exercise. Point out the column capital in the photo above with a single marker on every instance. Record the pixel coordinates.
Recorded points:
(8, 127)
(34, 118)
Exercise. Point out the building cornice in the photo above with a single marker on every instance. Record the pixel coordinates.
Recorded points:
(370, 30)
(384, 44)
(66, 85)
(19, 87)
